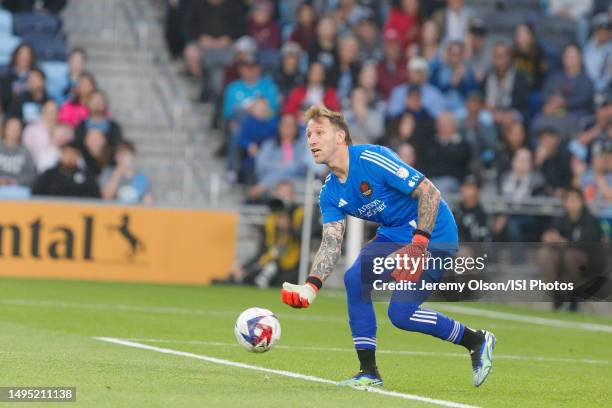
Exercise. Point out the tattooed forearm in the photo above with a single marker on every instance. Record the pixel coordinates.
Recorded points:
(429, 200)
(329, 252)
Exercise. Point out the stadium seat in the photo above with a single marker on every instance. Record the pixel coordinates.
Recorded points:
(8, 43)
(555, 33)
(6, 22)
(35, 23)
(481, 6)
(504, 22)
(533, 6)
(57, 77)
(269, 59)
(47, 48)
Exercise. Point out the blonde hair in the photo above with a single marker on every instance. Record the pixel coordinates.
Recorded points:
(335, 118)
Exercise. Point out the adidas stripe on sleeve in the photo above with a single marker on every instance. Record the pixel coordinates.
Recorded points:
(385, 163)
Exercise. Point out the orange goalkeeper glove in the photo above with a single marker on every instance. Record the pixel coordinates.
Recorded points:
(301, 296)
(416, 250)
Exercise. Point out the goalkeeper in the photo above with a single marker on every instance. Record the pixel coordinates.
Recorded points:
(372, 183)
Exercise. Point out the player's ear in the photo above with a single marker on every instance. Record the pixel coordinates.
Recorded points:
(340, 136)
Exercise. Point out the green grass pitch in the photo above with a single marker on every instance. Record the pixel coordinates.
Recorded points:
(47, 331)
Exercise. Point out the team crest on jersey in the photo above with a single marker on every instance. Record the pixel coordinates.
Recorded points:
(365, 189)
(402, 173)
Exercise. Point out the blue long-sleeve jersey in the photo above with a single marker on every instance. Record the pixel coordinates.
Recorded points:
(378, 189)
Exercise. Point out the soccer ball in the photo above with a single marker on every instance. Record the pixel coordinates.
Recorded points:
(257, 330)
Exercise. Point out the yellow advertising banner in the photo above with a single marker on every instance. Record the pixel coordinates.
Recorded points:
(73, 240)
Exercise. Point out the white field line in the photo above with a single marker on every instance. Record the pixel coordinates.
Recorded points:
(379, 351)
(290, 374)
(539, 321)
(513, 317)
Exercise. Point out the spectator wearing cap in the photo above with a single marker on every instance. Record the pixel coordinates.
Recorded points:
(569, 90)
(598, 53)
(479, 130)
(368, 35)
(28, 105)
(284, 157)
(478, 50)
(472, 220)
(37, 135)
(447, 158)
(529, 57)
(97, 104)
(14, 81)
(123, 182)
(220, 75)
(244, 48)
(211, 26)
(391, 68)
(69, 177)
(454, 78)
(429, 45)
(262, 27)
(17, 170)
(405, 18)
(240, 94)
(506, 90)
(418, 73)
(366, 125)
(289, 75)
(454, 20)
(304, 32)
(323, 50)
(347, 70)
(74, 110)
(552, 159)
(313, 92)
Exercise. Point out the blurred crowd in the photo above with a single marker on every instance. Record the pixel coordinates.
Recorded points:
(514, 98)
(509, 98)
(58, 137)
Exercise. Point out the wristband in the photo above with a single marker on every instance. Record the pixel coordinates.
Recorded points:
(315, 281)
(421, 236)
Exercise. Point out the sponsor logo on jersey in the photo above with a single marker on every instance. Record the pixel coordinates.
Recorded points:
(413, 180)
(365, 189)
(370, 209)
(342, 203)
